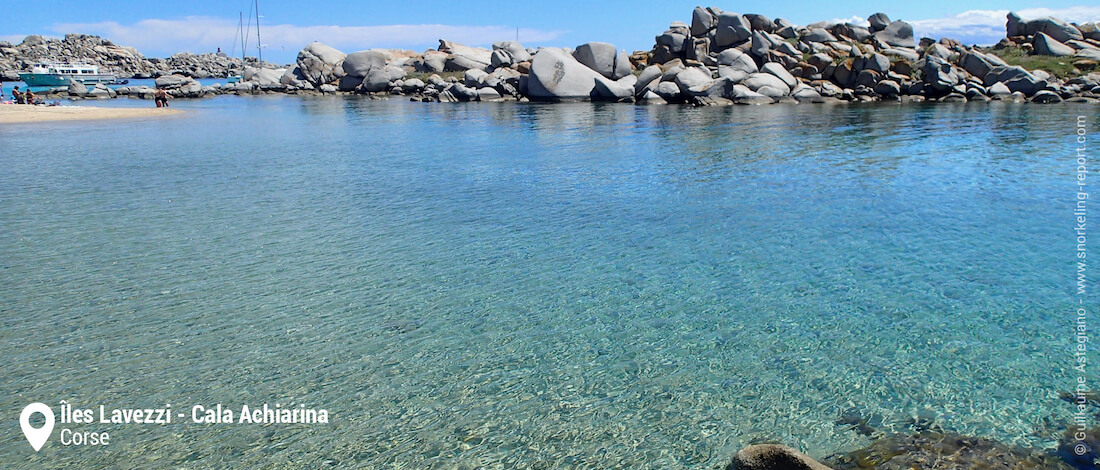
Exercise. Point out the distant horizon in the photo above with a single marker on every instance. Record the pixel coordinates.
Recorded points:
(628, 26)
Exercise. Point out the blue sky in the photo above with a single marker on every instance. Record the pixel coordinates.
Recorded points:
(159, 29)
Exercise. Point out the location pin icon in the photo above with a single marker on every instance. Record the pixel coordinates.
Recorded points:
(36, 436)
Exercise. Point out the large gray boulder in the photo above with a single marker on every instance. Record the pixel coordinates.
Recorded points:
(431, 62)
(979, 64)
(998, 91)
(760, 23)
(743, 95)
(413, 85)
(171, 82)
(461, 58)
(650, 75)
(76, 88)
(668, 91)
(737, 60)
(1015, 25)
(842, 73)
(488, 94)
(504, 78)
(1090, 30)
(780, 73)
(903, 52)
(293, 76)
(458, 93)
(557, 76)
(358, 64)
(603, 58)
(941, 51)
(699, 50)
(500, 59)
(876, 62)
(320, 63)
(731, 73)
(804, 92)
(787, 49)
(898, 33)
(1016, 78)
(888, 88)
(101, 91)
(675, 40)
(1047, 45)
(693, 80)
(758, 81)
(1046, 96)
(1053, 27)
(731, 29)
(267, 77)
(718, 88)
(820, 60)
(379, 79)
(514, 49)
(474, 78)
(787, 32)
(818, 35)
(773, 457)
(849, 30)
(702, 21)
(879, 22)
(614, 90)
(348, 83)
(939, 73)
(761, 44)
(1088, 53)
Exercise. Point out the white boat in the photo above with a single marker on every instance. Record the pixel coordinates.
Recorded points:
(61, 74)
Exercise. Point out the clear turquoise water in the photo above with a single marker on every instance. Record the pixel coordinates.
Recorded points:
(522, 286)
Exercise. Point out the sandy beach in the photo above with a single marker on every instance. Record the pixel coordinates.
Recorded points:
(14, 113)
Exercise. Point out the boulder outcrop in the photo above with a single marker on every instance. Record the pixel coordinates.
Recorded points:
(320, 64)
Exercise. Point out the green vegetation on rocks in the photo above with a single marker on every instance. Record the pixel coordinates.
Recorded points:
(1061, 67)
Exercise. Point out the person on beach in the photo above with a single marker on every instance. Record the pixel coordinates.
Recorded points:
(29, 96)
(17, 96)
(161, 98)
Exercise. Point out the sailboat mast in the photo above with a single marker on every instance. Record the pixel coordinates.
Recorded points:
(259, 45)
(240, 24)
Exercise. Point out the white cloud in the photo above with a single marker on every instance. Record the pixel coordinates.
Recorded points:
(855, 19)
(988, 26)
(159, 38)
(13, 38)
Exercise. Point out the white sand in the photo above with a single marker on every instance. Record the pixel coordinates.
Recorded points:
(15, 113)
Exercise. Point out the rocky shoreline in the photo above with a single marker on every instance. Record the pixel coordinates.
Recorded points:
(121, 61)
(720, 58)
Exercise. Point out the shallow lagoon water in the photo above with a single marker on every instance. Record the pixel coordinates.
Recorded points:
(537, 286)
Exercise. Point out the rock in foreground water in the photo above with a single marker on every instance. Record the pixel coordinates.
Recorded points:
(773, 457)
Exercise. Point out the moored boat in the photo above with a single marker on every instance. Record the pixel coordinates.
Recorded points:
(49, 74)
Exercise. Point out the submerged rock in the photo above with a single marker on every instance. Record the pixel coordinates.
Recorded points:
(773, 457)
(944, 451)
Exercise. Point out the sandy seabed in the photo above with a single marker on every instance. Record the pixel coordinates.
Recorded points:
(16, 113)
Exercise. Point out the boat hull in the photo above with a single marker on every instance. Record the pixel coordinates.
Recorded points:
(58, 79)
